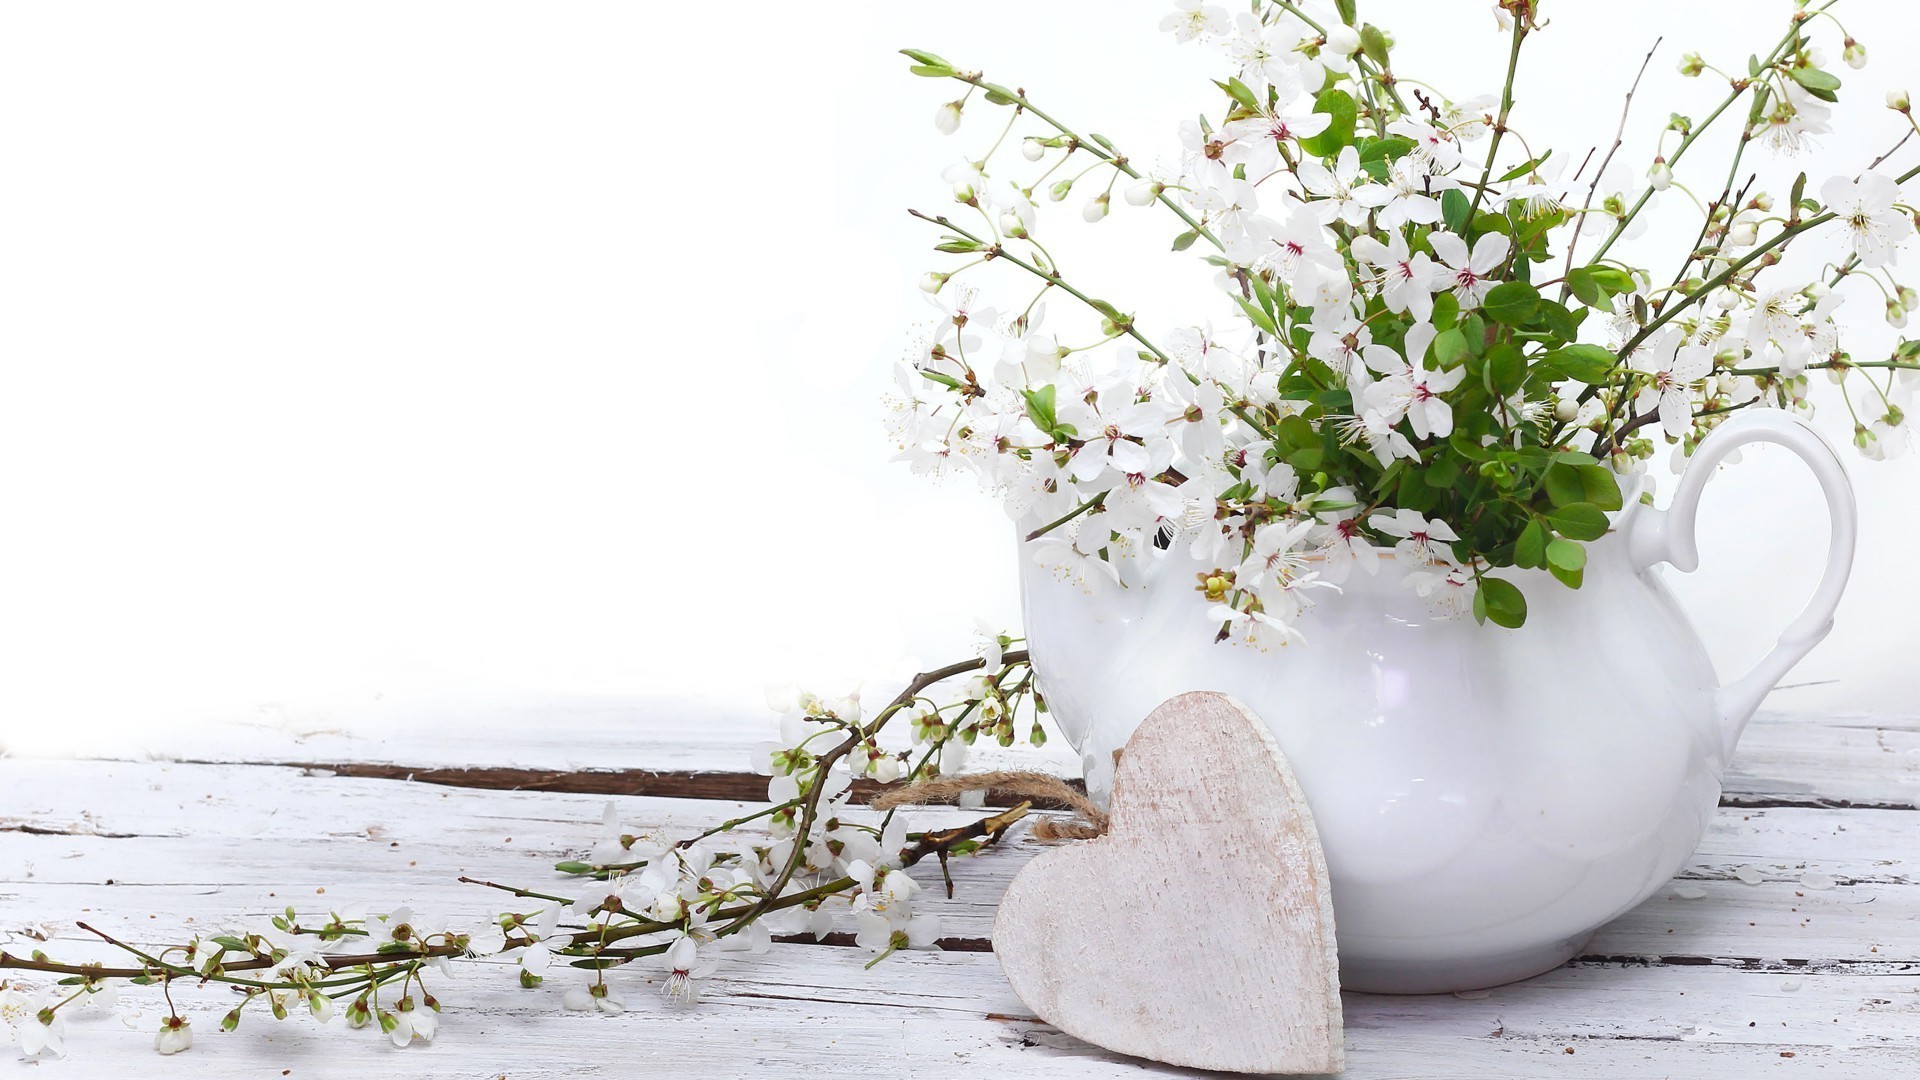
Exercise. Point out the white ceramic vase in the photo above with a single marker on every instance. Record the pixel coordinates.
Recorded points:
(1487, 798)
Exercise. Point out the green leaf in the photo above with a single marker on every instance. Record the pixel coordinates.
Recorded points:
(1501, 601)
(1505, 369)
(1570, 578)
(1562, 323)
(1101, 139)
(1449, 347)
(1588, 364)
(1239, 92)
(940, 377)
(1511, 303)
(1602, 487)
(1814, 79)
(1374, 43)
(1446, 311)
(1455, 210)
(932, 71)
(1040, 407)
(999, 95)
(1563, 485)
(1260, 318)
(1579, 521)
(925, 57)
(1348, 9)
(1566, 554)
(1524, 168)
(1185, 240)
(1530, 551)
(1338, 105)
(1586, 287)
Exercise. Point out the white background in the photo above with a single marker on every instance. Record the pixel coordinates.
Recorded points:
(388, 362)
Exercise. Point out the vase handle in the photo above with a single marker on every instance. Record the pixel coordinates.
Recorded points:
(1669, 537)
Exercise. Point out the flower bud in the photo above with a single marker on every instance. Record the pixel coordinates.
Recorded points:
(1660, 177)
(1144, 192)
(946, 119)
(1691, 65)
(1762, 202)
(1744, 234)
(1095, 209)
(1059, 191)
(933, 281)
(1898, 101)
(1033, 149)
(1343, 40)
(1855, 54)
(1896, 315)
(1565, 410)
(1908, 298)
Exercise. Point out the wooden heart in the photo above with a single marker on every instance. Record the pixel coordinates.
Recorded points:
(1199, 930)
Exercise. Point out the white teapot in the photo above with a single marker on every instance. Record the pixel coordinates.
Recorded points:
(1487, 798)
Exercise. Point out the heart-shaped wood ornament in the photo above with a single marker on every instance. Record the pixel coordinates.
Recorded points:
(1199, 930)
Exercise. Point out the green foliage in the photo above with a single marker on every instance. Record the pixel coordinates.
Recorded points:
(1512, 303)
(1339, 107)
(1500, 602)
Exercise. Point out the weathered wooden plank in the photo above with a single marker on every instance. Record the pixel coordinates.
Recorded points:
(171, 833)
(812, 1009)
(1784, 759)
(208, 842)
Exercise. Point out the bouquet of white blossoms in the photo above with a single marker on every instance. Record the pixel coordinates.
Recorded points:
(1421, 356)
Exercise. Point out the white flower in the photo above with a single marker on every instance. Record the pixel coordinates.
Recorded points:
(946, 119)
(1190, 19)
(1403, 199)
(1132, 439)
(173, 1036)
(1865, 209)
(1407, 279)
(1775, 333)
(1138, 501)
(1377, 429)
(1069, 562)
(1674, 371)
(1265, 58)
(1469, 273)
(1418, 536)
(1795, 115)
(1450, 593)
(1432, 146)
(1277, 556)
(593, 998)
(40, 1029)
(1254, 628)
(409, 1021)
(1229, 207)
(1343, 547)
(1411, 389)
(877, 933)
(1335, 188)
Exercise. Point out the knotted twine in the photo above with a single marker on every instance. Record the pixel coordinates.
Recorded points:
(1091, 821)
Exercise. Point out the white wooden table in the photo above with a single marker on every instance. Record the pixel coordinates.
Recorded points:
(1776, 979)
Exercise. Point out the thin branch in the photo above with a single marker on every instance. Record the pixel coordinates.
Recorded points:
(1619, 136)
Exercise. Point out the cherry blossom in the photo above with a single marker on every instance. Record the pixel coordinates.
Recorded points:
(1471, 275)
(1407, 279)
(1673, 370)
(1418, 536)
(1875, 229)
(1190, 19)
